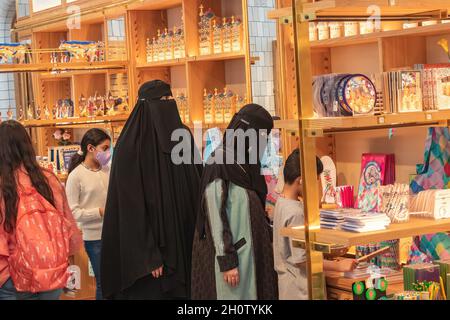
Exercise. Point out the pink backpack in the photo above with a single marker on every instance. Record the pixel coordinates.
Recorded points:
(40, 259)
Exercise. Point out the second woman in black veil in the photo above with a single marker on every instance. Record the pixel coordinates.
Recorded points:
(150, 212)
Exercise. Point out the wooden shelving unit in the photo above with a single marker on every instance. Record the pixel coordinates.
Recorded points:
(126, 67)
(127, 56)
(393, 48)
(415, 227)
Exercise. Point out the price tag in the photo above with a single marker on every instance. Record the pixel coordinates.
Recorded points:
(429, 116)
(381, 120)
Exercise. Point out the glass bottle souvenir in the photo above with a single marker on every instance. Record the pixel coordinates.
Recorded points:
(228, 105)
(169, 44)
(217, 37)
(179, 106)
(59, 107)
(182, 42)
(226, 35)
(208, 107)
(205, 31)
(187, 111)
(161, 46)
(236, 34)
(218, 106)
(149, 51)
(155, 52)
(240, 103)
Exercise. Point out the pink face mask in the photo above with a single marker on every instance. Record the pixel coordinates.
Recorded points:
(103, 157)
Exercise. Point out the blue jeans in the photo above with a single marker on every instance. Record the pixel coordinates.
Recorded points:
(9, 292)
(94, 249)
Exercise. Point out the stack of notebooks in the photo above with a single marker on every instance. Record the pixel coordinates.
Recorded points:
(353, 220)
(366, 222)
(333, 219)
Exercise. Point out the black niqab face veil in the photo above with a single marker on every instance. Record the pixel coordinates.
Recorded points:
(250, 119)
(150, 210)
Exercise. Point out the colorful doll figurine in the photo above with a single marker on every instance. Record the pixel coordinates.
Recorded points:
(10, 113)
(46, 113)
(21, 115)
(38, 112)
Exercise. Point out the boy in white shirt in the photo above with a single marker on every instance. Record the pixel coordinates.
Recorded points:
(290, 262)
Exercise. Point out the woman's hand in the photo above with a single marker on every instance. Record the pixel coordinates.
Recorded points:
(158, 272)
(232, 277)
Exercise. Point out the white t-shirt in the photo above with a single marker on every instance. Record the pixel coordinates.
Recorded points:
(292, 282)
(86, 193)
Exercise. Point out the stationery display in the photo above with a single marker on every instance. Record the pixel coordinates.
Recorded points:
(219, 107)
(167, 45)
(395, 202)
(78, 51)
(435, 85)
(333, 219)
(183, 106)
(11, 53)
(345, 196)
(418, 273)
(376, 170)
(435, 172)
(338, 95)
(218, 35)
(434, 204)
(403, 91)
(372, 289)
(366, 222)
(328, 179)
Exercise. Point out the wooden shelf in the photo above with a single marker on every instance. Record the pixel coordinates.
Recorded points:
(342, 124)
(219, 57)
(75, 121)
(48, 67)
(358, 8)
(414, 227)
(68, 74)
(373, 37)
(159, 64)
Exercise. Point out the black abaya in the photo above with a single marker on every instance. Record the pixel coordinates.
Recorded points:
(150, 211)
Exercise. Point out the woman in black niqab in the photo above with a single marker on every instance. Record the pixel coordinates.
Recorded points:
(150, 211)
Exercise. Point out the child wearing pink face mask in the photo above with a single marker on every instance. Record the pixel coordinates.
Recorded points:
(86, 189)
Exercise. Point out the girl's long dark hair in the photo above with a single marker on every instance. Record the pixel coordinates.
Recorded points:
(16, 150)
(93, 137)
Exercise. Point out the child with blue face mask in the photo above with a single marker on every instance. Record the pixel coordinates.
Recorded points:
(86, 189)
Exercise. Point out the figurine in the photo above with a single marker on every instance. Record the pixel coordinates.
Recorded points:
(46, 113)
(30, 114)
(38, 113)
(54, 111)
(21, 115)
(10, 113)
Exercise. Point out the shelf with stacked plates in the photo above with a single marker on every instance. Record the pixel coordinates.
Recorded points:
(379, 90)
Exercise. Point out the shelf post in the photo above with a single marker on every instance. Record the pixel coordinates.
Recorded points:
(316, 279)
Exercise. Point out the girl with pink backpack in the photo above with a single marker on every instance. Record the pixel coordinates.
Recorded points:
(38, 233)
